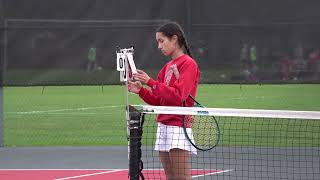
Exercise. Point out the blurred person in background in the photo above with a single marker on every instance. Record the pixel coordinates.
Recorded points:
(314, 63)
(92, 60)
(298, 60)
(286, 67)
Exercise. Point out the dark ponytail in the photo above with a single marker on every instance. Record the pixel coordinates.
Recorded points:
(172, 28)
(185, 44)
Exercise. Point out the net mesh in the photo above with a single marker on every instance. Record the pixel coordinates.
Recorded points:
(258, 145)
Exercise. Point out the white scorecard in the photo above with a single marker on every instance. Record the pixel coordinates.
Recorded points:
(125, 64)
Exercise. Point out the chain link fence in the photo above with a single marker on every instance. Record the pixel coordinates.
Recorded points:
(46, 69)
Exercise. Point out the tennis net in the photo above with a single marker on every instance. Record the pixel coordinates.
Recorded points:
(253, 144)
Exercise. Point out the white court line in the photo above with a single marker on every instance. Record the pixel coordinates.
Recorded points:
(61, 110)
(218, 172)
(86, 175)
(75, 114)
(61, 169)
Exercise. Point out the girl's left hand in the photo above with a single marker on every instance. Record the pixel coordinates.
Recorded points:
(141, 76)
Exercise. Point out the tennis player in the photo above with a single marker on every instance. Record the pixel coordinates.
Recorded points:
(176, 81)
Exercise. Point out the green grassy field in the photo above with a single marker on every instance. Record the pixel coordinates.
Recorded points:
(95, 115)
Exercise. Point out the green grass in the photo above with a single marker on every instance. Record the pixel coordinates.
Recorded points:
(286, 97)
(95, 115)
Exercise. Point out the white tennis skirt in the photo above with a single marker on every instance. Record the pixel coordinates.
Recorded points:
(171, 137)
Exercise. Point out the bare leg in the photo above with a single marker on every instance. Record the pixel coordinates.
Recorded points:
(166, 163)
(180, 164)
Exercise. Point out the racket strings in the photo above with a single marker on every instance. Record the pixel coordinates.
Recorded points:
(205, 132)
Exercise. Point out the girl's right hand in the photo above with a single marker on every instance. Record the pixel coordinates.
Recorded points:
(134, 86)
(141, 76)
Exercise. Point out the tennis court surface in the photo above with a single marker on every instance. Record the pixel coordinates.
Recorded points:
(87, 163)
(84, 142)
(87, 174)
(254, 144)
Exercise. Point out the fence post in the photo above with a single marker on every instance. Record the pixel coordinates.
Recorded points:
(2, 34)
(1, 117)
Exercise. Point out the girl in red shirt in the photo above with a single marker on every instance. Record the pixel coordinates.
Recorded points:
(175, 82)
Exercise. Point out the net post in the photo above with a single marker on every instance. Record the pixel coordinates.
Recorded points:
(135, 135)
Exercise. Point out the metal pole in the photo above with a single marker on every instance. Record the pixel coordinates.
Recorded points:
(5, 45)
(189, 19)
(1, 114)
(2, 50)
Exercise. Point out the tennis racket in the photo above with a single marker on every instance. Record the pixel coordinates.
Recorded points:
(205, 130)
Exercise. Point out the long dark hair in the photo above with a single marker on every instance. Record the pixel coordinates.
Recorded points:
(172, 28)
